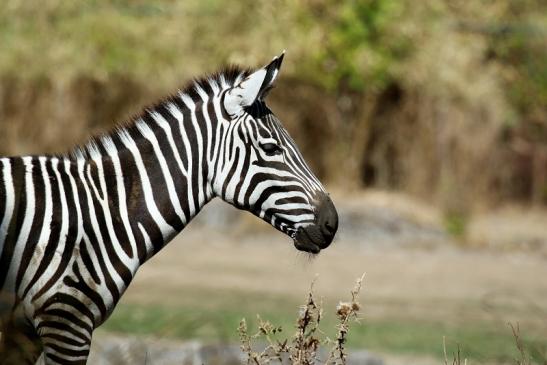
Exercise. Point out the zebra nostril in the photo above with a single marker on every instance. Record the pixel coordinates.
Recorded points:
(328, 218)
(329, 227)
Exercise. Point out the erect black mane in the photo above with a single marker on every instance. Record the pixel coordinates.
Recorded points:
(228, 75)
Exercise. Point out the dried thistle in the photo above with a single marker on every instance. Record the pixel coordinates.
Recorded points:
(346, 311)
(305, 344)
(245, 340)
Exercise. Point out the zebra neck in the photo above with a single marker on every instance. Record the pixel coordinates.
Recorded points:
(165, 184)
(158, 169)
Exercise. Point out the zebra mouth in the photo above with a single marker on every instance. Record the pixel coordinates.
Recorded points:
(304, 242)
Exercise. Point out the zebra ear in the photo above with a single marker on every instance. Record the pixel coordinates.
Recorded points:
(253, 87)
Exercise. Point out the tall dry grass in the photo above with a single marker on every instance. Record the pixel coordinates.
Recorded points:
(445, 100)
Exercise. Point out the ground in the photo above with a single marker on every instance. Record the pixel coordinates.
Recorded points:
(420, 283)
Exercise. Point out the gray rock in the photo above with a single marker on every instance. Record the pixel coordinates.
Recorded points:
(117, 350)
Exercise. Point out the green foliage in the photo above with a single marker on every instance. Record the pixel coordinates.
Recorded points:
(456, 223)
(520, 43)
(360, 45)
(353, 45)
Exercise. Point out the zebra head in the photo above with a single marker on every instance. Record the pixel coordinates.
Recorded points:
(262, 170)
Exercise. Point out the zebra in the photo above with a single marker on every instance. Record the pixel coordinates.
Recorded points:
(75, 227)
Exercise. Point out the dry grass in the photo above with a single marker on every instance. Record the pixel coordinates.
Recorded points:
(305, 344)
(421, 96)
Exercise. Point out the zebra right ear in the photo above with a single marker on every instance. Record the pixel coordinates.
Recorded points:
(252, 87)
(244, 94)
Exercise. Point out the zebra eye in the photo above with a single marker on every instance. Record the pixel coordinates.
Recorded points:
(271, 149)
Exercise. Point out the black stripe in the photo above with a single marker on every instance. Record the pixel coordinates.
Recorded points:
(246, 163)
(111, 186)
(201, 121)
(70, 317)
(61, 338)
(55, 324)
(291, 200)
(134, 197)
(213, 123)
(292, 211)
(67, 351)
(231, 173)
(88, 263)
(3, 189)
(61, 360)
(220, 155)
(37, 222)
(192, 133)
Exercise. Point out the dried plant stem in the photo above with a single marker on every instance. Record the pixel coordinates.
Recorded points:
(524, 359)
(346, 311)
(303, 348)
(305, 344)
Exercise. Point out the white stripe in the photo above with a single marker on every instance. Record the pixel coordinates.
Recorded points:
(76, 200)
(192, 107)
(10, 200)
(296, 218)
(209, 135)
(147, 241)
(177, 114)
(25, 227)
(219, 143)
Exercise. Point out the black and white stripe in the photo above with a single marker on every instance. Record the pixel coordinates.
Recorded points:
(75, 228)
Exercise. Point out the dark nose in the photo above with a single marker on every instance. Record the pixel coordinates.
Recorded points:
(327, 220)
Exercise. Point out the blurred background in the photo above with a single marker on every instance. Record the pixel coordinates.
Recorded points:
(426, 119)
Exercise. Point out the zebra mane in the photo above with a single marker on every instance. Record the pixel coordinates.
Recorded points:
(228, 77)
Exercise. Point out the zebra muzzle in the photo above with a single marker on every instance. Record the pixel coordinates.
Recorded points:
(315, 237)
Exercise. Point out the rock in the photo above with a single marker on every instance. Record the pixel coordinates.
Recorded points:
(110, 350)
(117, 350)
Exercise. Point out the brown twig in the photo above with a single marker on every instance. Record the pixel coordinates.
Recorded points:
(303, 348)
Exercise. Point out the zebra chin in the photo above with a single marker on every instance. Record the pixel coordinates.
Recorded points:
(318, 235)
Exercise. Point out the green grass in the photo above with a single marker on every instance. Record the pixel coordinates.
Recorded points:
(481, 342)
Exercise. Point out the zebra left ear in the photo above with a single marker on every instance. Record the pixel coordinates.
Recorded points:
(253, 87)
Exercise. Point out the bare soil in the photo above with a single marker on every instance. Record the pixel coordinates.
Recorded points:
(441, 280)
